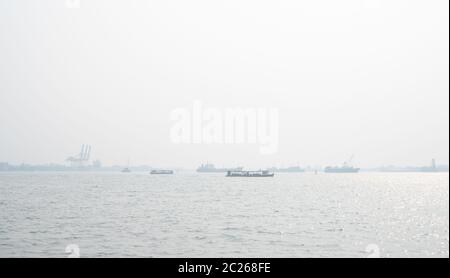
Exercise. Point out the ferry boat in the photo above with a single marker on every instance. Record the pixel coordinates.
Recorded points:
(250, 174)
(161, 172)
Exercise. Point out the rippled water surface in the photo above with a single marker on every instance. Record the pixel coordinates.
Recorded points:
(209, 215)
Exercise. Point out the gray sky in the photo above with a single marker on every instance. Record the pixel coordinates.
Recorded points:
(368, 78)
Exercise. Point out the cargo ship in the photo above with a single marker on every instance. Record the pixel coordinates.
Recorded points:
(210, 168)
(250, 174)
(345, 168)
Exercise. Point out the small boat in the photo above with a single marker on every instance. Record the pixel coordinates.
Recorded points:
(161, 172)
(250, 174)
(126, 170)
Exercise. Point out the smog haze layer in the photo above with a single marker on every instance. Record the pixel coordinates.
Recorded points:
(368, 78)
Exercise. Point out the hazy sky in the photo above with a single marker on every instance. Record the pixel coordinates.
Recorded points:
(368, 78)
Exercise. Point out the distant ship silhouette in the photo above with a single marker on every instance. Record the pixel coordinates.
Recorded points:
(345, 168)
(210, 168)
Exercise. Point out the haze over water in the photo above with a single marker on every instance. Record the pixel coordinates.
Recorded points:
(363, 77)
(208, 215)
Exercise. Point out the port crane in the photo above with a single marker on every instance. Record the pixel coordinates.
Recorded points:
(82, 158)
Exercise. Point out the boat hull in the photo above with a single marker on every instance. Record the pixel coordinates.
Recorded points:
(341, 170)
(262, 176)
(250, 174)
(161, 172)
